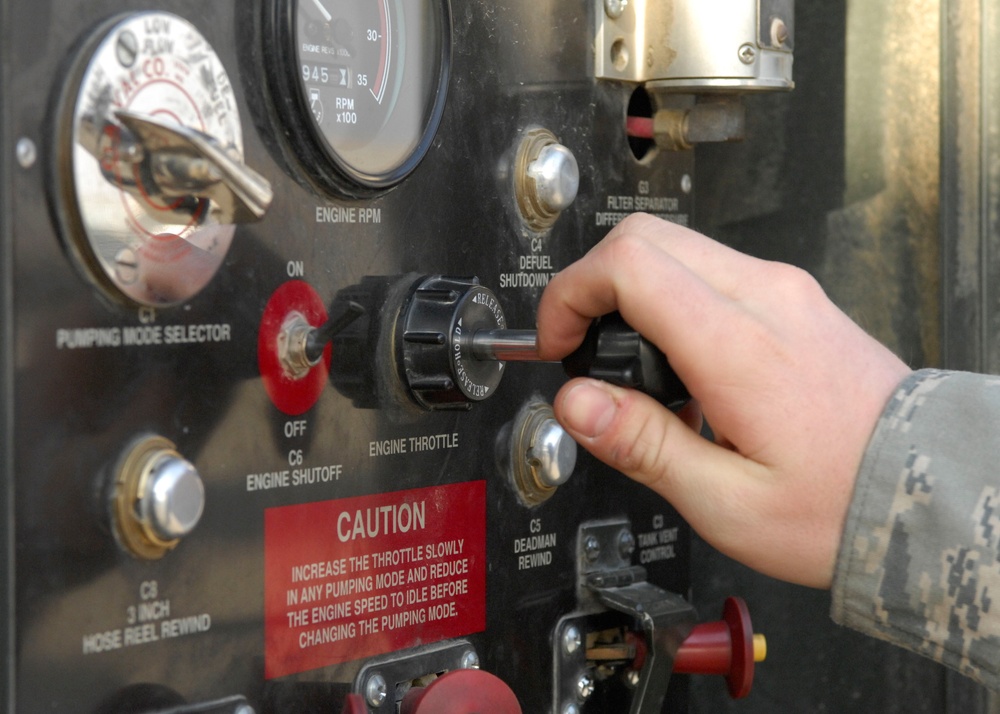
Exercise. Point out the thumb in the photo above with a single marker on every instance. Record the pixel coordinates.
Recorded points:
(635, 434)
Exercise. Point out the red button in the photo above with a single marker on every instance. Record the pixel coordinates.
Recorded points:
(462, 691)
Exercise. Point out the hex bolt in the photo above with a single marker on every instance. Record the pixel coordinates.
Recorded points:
(470, 660)
(571, 640)
(626, 544)
(614, 8)
(26, 153)
(376, 690)
(585, 687)
(747, 53)
(591, 548)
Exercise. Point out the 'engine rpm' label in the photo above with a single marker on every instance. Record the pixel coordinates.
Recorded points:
(359, 577)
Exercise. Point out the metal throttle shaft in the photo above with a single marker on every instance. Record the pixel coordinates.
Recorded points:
(611, 351)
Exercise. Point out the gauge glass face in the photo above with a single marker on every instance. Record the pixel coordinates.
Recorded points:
(370, 74)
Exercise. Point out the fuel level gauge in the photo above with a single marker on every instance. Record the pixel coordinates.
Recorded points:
(362, 84)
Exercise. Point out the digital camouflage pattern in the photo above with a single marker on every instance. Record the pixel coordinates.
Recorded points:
(919, 561)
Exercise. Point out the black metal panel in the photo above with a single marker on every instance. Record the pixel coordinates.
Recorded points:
(69, 412)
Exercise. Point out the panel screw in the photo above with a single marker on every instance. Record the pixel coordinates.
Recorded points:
(127, 48)
(26, 153)
(572, 639)
(126, 266)
(376, 690)
(585, 687)
(779, 32)
(571, 708)
(245, 709)
(747, 53)
(614, 8)
(470, 660)
(686, 183)
(591, 548)
(626, 544)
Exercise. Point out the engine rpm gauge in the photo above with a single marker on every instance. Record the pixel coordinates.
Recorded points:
(364, 83)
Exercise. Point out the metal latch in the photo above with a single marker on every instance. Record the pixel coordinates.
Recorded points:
(608, 580)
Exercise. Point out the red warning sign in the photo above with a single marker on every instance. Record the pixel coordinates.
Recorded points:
(358, 577)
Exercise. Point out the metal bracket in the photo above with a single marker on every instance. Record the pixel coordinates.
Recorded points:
(608, 580)
(690, 47)
(393, 673)
(666, 620)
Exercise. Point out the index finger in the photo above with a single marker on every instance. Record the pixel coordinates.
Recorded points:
(644, 263)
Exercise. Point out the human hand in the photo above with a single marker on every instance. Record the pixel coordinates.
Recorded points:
(790, 386)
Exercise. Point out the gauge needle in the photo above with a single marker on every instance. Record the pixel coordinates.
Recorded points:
(322, 10)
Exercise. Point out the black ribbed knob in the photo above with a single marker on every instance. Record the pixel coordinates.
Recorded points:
(435, 342)
(612, 351)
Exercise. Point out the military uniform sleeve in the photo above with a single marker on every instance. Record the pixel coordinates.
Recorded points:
(919, 561)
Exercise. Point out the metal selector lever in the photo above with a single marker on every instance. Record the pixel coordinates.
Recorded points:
(611, 351)
(185, 162)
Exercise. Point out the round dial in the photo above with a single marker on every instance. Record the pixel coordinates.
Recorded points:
(370, 78)
(436, 327)
(143, 202)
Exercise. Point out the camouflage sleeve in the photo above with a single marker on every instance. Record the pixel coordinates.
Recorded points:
(919, 561)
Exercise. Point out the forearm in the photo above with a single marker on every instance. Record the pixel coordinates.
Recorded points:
(919, 563)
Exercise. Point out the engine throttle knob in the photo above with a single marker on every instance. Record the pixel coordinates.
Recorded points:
(462, 691)
(727, 647)
(437, 324)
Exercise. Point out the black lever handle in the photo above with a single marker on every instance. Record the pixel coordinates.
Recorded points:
(612, 351)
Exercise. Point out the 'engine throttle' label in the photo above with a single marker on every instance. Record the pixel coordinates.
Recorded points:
(358, 577)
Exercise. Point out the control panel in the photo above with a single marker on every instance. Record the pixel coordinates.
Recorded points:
(275, 435)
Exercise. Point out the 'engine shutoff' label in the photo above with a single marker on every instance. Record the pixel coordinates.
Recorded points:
(358, 577)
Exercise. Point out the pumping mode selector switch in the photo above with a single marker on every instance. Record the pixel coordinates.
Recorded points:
(149, 161)
(435, 332)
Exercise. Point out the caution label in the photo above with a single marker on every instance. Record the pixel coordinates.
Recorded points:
(358, 577)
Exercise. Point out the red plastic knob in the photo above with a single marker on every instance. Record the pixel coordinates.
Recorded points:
(462, 691)
(726, 647)
(354, 704)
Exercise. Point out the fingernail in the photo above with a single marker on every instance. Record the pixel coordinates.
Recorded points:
(588, 409)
